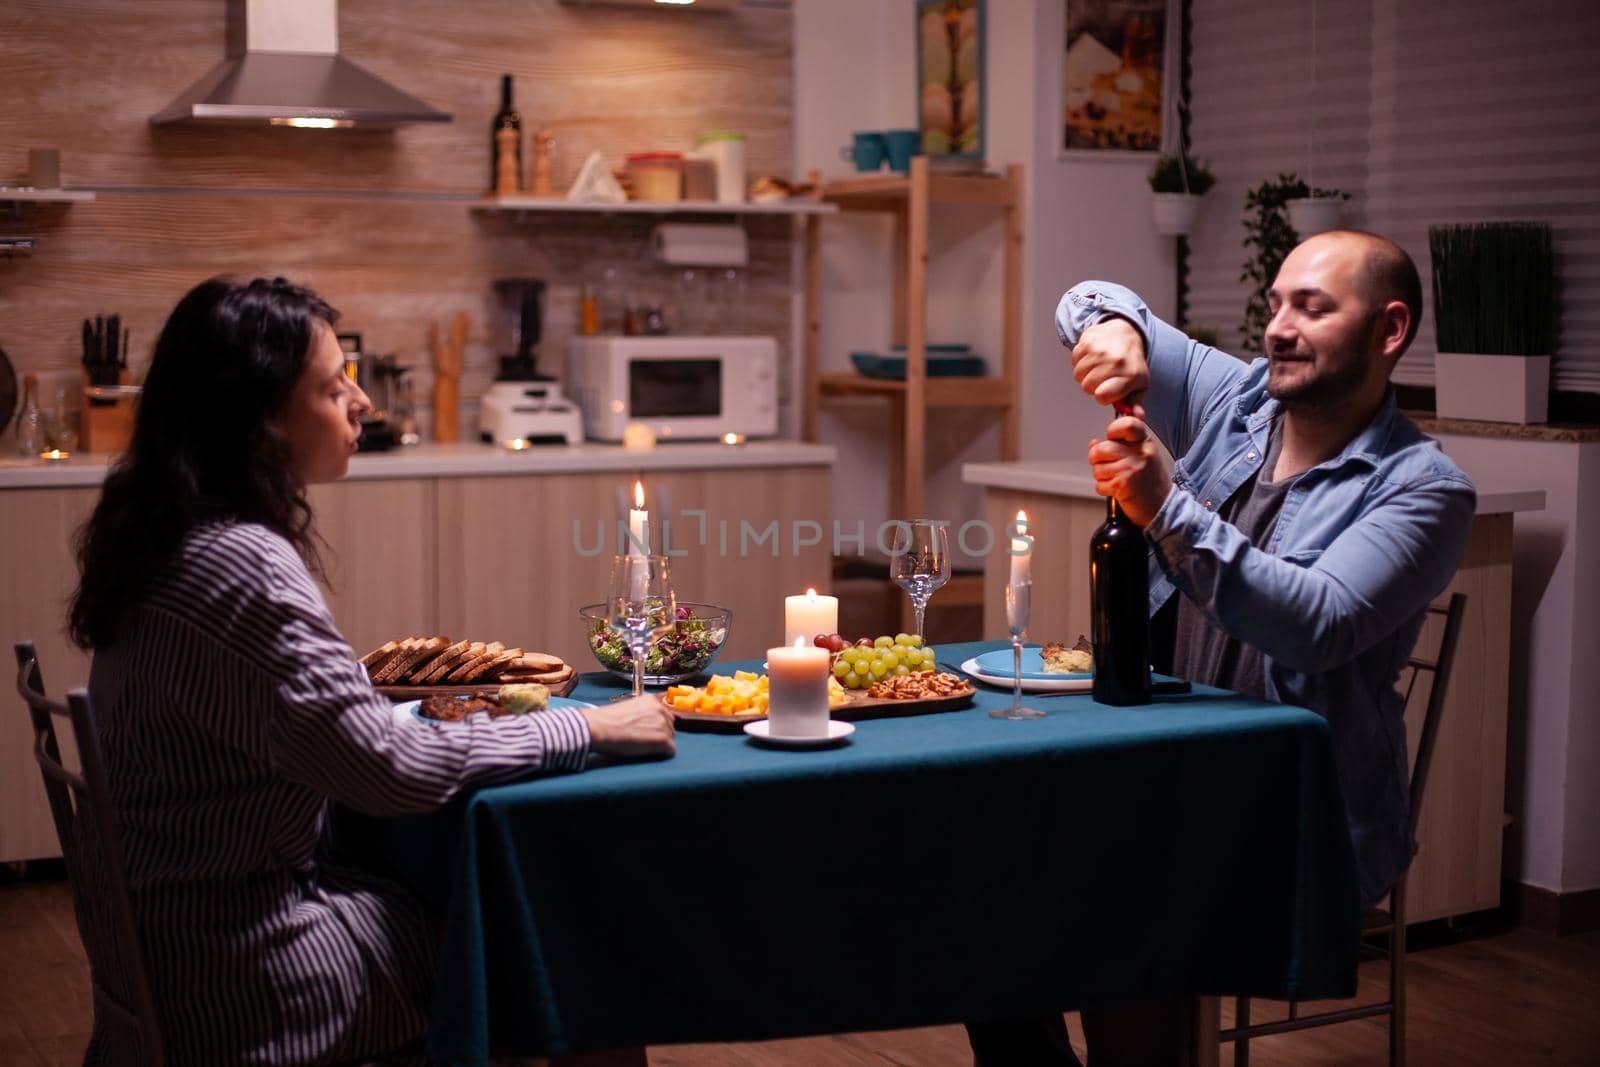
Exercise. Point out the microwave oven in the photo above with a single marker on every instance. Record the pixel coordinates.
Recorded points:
(683, 388)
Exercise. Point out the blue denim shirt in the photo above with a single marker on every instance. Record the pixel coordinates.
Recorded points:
(1364, 542)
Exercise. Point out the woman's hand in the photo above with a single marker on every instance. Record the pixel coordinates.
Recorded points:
(637, 726)
(1109, 362)
(1131, 467)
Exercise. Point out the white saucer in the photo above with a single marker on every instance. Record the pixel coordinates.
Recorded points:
(836, 731)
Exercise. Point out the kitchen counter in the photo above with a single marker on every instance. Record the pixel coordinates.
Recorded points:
(1054, 478)
(479, 460)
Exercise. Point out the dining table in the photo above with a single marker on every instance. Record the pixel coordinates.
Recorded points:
(927, 869)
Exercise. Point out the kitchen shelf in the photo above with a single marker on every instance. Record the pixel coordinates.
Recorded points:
(911, 199)
(555, 204)
(44, 196)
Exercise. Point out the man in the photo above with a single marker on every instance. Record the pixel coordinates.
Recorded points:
(1307, 525)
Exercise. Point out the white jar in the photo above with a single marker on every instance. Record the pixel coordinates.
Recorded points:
(727, 150)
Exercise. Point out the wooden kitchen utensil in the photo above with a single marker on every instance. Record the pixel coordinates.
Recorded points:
(446, 378)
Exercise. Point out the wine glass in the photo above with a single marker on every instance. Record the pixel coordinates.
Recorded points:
(921, 561)
(1019, 602)
(640, 606)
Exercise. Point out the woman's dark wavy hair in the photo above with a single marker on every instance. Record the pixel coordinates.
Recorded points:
(204, 447)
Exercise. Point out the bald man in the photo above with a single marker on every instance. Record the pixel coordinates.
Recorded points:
(1307, 523)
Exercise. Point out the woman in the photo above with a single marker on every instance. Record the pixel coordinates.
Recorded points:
(232, 713)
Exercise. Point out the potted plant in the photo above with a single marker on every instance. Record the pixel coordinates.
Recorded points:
(1315, 212)
(1178, 183)
(1271, 233)
(1494, 320)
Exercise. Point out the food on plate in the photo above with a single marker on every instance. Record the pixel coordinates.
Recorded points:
(923, 685)
(872, 659)
(741, 693)
(1059, 659)
(521, 699)
(448, 708)
(437, 660)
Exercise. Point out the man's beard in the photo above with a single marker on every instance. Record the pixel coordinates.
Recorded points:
(1328, 388)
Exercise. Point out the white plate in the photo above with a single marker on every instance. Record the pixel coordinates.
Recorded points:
(836, 731)
(1065, 684)
(413, 708)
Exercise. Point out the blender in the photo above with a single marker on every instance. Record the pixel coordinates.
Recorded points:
(522, 406)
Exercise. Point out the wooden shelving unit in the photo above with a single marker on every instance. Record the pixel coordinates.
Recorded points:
(560, 205)
(44, 196)
(912, 199)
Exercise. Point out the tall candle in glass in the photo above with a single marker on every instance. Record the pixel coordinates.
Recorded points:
(797, 690)
(638, 543)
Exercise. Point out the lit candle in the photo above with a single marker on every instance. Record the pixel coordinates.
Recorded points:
(638, 545)
(733, 438)
(638, 523)
(804, 617)
(637, 437)
(54, 455)
(797, 690)
(1021, 552)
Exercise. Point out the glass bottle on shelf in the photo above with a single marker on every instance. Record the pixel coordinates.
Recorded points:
(505, 145)
(30, 420)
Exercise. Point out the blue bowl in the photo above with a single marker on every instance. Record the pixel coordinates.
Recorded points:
(893, 368)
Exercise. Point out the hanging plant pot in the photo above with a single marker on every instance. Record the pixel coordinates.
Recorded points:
(1492, 388)
(1313, 214)
(1174, 213)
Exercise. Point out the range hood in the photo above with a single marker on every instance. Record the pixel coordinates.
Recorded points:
(283, 68)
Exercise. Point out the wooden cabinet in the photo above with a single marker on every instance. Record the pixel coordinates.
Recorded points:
(491, 558)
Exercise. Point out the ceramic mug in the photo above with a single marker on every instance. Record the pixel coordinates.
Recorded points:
(902, 145)
(868, 152)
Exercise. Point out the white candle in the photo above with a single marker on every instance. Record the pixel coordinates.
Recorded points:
(797, 690)
(1021, 552)
(804, 617)
(638, 545)
(638, 523)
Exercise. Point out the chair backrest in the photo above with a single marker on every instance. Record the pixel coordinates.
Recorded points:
(1440, 667)
(80, 803)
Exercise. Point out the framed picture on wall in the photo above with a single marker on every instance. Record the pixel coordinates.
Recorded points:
(1114, 75)
(950, 79)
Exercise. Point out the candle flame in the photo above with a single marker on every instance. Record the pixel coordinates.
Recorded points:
(1022, 520)
(638, 495)
(811, 593)
(799, 642)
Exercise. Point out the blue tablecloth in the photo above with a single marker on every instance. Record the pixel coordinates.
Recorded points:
(932, 869)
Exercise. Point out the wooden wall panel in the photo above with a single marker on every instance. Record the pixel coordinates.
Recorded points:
(378, 222)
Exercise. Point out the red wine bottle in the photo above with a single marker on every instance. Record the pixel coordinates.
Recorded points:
(505, 153)
(1119, 597)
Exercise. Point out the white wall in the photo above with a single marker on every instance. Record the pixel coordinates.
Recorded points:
(855, 70)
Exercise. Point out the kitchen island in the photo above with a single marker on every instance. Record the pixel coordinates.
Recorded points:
(468, 540)
(1457, 869)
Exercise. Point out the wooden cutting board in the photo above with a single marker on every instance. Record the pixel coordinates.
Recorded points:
(857, 707)
(422, 692)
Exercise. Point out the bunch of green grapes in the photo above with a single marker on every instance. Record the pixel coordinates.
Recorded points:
(863, 663)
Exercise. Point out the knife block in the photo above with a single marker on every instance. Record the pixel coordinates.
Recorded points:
(106, 422)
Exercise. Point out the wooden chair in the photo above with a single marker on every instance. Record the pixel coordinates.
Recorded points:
(1389, 923)
(81, 805)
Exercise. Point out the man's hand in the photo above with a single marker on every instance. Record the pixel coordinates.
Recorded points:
(1109, 362)
(638, 726)
(1131, 467)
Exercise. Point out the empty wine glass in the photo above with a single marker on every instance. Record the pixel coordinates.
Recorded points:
(640, 606)
(921, 561)
(1019, 603)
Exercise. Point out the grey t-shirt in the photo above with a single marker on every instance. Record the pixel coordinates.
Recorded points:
(1204, 652)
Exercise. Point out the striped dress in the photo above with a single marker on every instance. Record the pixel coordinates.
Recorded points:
(232, 714)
